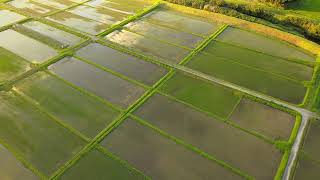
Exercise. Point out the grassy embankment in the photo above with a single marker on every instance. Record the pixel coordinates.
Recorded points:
(285, 18)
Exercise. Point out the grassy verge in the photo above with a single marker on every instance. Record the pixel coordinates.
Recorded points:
(252, 11)
(245, 24)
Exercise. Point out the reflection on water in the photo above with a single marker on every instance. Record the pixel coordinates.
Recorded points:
(25, 47)
(11, 168)
(8, 17)
(98, 14)
(78, 22)
(97, 81)
(149, 46)
(64, 39)
(30, 6)
(181, 21)
(11, 65)
(128, 65)
(163, 33)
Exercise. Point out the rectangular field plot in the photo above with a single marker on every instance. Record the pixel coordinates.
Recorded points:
(180, 21)
(82, 112)
(207, 96)
(307, 169)
(34, 136)
(105, 85)
(262, 43)
(124, 6)
(96, 165)
(58, 4)
(26, 47)
(11, 168)
(49, 35)
(164, 33)
(220, 140)
(78, 22)
(312, 141)
(11, 65)
(99, 14)
(148, 46)
(260, 61)
(128, 65)
(263, 82)
(31, 7)
(263, 119)
(9, 17)
(159, 157)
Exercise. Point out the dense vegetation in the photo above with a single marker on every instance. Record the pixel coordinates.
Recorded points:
(310, 27)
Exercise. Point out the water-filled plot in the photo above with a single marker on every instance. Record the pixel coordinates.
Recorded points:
(97, 165)
(263, 44)
(260, 61)
(312, 144)
(11, 167)
(248, 77)
(207, 96)
(120, 62)
(30, 7)
(75, 109)
(26, 47)
(159, 157)
(212, 136)
(148, 46)
(263, 119)
(78, 22)
(101, 83)
(34, 136)
(180, 21)
(8, 17)
(124, 6)
(306, 168)
(308, 164)
(57, 4)
(93, 17)
(11, 65)
(49, 35)
(102, 15)
(164, 33)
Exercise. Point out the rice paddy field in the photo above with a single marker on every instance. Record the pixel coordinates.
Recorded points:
(117, 89)
(309, 159)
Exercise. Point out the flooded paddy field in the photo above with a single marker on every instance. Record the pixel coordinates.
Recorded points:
(308, 164)
(84, 97)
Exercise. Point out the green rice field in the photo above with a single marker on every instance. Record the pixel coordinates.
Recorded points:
(118, 89)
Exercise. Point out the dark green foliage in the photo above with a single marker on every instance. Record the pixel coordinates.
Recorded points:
(309, 27)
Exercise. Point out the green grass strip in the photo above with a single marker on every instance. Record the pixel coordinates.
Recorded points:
(83, 91)
(282, 166)
(191, 147)
(312, 88)
(74, 131)
(107, 130)
(132, 52)
(52, 117)
(122, 162)
(112, 72)
(221, 119)
(202, 45)
(129, 19)
(297, 61)
(24, 162)
(257, 69)
(170, 27)
(158, 39)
